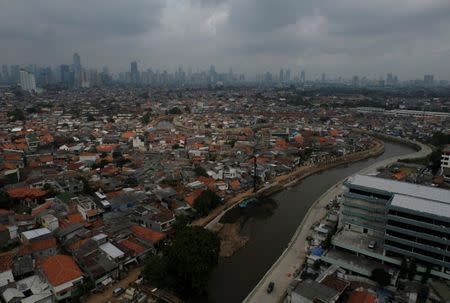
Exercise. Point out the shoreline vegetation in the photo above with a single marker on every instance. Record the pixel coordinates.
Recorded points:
(232, 218)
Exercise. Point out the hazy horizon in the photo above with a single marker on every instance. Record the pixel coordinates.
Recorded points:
(408, 38)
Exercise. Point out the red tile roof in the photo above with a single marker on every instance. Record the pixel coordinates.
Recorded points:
(6, 261)
(38, 245)
(37, 210)
(190, 199)
(362, 297)
(76, 245)
(132, 245)
(105, 148)
(127, 135)
(60, 269)
(147, 234)
(25, 192)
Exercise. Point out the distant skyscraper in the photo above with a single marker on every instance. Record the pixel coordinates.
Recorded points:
(134, 72)
(27, 81)
(428, 79)
(389, 79)
(281, 77)
(5, 73)
(323, 78)
(76, 62)
(355, 81)
(67, 77)
(287, 75)
(14, 76)
(302, 77)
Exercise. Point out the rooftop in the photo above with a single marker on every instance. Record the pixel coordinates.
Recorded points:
(314, 290)
(61, 269)
(441, 209)
(111, 250)
(35, 233)
(403, 188)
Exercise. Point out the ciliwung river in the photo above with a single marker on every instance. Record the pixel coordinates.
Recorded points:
(236, 276)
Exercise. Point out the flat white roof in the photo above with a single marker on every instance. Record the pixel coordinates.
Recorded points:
(111, 250)
(436, 208)
(99, 237)
(34, 233)
(403, 188)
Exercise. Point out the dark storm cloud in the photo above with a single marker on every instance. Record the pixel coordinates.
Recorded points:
(339, 36)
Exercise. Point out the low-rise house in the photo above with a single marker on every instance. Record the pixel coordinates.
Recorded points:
(49, 221)
(64, 234)
(39, 248)
(6, 269)
(88, 209)
(154, 216)
(35, 234)
(30, 290)
(24, 222)
(127, 199)
(27, 195)
(95, 263)
(147, 235)
(310, 291)
(63, 275)
(135, 250)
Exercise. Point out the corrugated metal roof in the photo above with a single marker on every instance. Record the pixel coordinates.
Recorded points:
(436, 208)
(34, 233)
(111, 250)
(403, 188)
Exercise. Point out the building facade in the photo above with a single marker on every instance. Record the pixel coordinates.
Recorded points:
(407, 220)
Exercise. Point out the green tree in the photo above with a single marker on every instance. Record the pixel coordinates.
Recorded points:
(200, 171)
(186, 265)
(16, 115)
(87, 189)
(207, 201)
(181, 221)
(132, 182)
(426, 275)
(146, 118)
(380, 276)
(403, 268)
(121, 161)
(412, 269)
(6, 202)
(117, 154)
(175, 111)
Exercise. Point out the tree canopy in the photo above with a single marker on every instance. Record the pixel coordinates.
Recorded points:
(175, 111)
(207, 201)
(6, 202)
(380, 276)
(185, 266)
(16, 114)
(200, 171)
(146, 118)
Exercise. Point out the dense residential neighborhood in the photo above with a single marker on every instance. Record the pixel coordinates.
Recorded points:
(96, 181)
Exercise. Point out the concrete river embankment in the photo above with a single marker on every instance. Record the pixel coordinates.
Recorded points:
(237, 275)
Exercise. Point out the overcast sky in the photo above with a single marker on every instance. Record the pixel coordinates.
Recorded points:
(346, 37)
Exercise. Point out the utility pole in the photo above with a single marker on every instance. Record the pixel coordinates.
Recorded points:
(255, 156)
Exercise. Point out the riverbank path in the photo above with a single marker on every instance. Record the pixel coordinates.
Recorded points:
(281, 272)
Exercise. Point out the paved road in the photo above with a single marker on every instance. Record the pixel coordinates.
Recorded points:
(292, 258)
(106, 296)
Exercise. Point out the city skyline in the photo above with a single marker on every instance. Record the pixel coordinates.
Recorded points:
(346, 38)
(283, 74)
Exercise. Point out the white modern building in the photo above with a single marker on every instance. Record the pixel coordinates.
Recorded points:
(27, 81)
(388, 220)
(445, 163)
